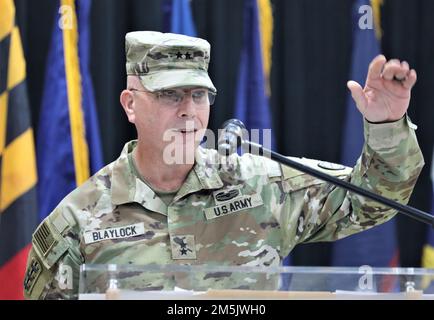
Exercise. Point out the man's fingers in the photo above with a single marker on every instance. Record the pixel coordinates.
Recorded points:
(400, 71)
(358, 95)
(402, 74)
(410, 79)
(375, 67)
(393, 69)
(405, 66)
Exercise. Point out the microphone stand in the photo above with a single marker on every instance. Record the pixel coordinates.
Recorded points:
(404, 209)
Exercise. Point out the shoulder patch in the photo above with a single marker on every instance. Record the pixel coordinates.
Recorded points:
(32, 274)
(49, 243)
(44, 239)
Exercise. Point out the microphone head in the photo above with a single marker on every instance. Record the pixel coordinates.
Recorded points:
(231, 137)
(233, 123)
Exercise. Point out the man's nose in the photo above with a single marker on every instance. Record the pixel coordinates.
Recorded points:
(187, 107)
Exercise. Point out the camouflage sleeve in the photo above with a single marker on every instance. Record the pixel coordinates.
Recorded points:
(54, 260)
(389, 165)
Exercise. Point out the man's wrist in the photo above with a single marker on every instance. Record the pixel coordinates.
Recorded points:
(380, 136)
(382, 122)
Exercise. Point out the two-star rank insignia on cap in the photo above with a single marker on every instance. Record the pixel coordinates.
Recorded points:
(186, 56)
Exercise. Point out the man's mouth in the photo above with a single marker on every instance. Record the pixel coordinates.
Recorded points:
(187, 130)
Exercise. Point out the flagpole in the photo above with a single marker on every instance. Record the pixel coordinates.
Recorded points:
(404, 209)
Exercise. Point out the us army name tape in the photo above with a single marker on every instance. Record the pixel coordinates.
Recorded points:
(114, 233)
(242, 203)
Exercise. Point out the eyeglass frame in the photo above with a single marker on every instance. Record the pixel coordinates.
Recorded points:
(157, 94)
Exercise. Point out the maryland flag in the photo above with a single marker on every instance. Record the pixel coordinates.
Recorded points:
(18, 209)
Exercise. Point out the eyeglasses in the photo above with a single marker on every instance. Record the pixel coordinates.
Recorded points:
(173, 97)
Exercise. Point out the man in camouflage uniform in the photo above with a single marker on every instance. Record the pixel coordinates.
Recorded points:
(243, 211)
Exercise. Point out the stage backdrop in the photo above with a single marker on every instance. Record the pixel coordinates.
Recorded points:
(310, 66)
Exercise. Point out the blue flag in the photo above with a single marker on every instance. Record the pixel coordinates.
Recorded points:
(376, 247)
(178, 17)
(68, 142)
(252, 101)
(252, 106)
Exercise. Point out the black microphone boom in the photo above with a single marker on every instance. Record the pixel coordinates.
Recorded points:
(230, 142)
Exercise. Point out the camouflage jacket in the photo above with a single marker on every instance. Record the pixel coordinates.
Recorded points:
(250, 211)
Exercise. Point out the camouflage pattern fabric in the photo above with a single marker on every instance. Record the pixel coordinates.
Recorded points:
(242, 211)
(166, 60)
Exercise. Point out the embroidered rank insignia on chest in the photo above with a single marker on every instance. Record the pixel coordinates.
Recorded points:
(114, 233)
(232, 206)
(33, 272)
(183, 247)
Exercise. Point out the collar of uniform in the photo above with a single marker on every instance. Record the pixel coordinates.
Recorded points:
(203, 176)
(127, 188)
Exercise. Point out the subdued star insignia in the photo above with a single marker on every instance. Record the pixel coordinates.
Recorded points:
(179, 55)
(188, 56)
(183, 246)
(330, 166)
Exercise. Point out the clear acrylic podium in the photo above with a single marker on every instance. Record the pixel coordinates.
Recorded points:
(172, 282)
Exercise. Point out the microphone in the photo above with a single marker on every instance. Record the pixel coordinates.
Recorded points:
(231, 137)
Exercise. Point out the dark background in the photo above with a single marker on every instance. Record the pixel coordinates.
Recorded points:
(311, 61)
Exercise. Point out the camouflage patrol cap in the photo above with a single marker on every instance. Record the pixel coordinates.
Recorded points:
(167, 60)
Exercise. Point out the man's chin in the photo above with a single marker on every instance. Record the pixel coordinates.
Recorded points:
(181, 153)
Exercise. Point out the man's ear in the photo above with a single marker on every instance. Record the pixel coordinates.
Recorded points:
(127, 103)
